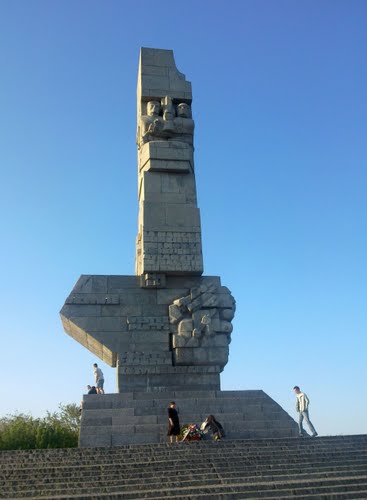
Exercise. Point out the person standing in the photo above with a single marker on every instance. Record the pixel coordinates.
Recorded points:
(99, 379)
(302, 403)
(173, 422)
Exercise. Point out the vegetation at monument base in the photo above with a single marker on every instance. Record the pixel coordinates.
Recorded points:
(56, 430)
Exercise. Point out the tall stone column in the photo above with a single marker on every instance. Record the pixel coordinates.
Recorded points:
(169, 233)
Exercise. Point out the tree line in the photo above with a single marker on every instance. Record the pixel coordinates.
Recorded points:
(56, 430)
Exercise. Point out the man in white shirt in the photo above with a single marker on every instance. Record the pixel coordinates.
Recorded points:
(302, 403)
(99, 379)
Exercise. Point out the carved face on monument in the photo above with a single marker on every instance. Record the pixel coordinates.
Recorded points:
(153, 108)
(183, 110)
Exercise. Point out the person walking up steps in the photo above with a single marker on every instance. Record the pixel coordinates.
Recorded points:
(302, 403)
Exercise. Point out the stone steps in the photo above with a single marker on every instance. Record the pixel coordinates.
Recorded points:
(326, 467)
(217, 489)
(156, 480)
(165, 451)
(151, 468)
(130, 461)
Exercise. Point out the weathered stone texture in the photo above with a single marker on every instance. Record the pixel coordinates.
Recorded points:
(168, 327)
(167, 192)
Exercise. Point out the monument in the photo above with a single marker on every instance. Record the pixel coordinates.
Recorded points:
(167, 329)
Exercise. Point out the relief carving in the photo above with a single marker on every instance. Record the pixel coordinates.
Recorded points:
(202, 318)
(166, 121)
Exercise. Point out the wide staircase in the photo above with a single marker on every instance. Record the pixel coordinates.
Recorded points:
(312, 468)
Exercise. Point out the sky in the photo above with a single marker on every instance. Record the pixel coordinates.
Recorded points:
(279, 102)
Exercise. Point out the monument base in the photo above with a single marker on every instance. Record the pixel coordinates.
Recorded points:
(166, 379)
(141, 417)
(162, 332)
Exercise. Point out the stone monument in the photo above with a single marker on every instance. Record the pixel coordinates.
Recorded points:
(167, 328)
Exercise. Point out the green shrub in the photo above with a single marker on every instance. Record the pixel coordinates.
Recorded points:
(56, 430)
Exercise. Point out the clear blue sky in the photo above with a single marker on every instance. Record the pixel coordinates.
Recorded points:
(280, 107)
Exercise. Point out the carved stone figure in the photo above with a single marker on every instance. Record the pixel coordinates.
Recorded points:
(151, 123)
(184, 124)
(202, 319)
(161, 123)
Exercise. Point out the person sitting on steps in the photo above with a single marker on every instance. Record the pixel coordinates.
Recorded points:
(215, 426)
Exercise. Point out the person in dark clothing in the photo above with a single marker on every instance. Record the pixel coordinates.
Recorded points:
(215, 426)
(91, 390)
(173, 422)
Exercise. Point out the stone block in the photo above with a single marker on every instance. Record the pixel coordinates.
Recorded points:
(97, 440)
(196, 394)
(101, 324)
(165, 198)
(225, 300)
(156, 309)
(99, 284)
(189, 217)
(163, 150)
(96, 421)
(83, 285)
(154, 214)
(117, 284)
(175, 166)
(177, 184)
(156, 57)
(93, 299)
(187, 282)
(152, 183)
(135, 420)
(149, 428)
(102, 430)
(94, 413)
(69, 311)
(142, 297)
(154, 82)
(200, 355)
(126, 439)
(90, 284)
(122, 429)
(220, 340)
(121, 310)
(155, 70)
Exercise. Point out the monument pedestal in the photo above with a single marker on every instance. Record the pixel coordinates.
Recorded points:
(161, 336)
(138, 417)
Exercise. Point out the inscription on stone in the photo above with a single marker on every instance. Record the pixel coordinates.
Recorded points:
(90, 298)
(147, 323)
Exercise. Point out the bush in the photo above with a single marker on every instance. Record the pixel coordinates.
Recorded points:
(56, 430)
